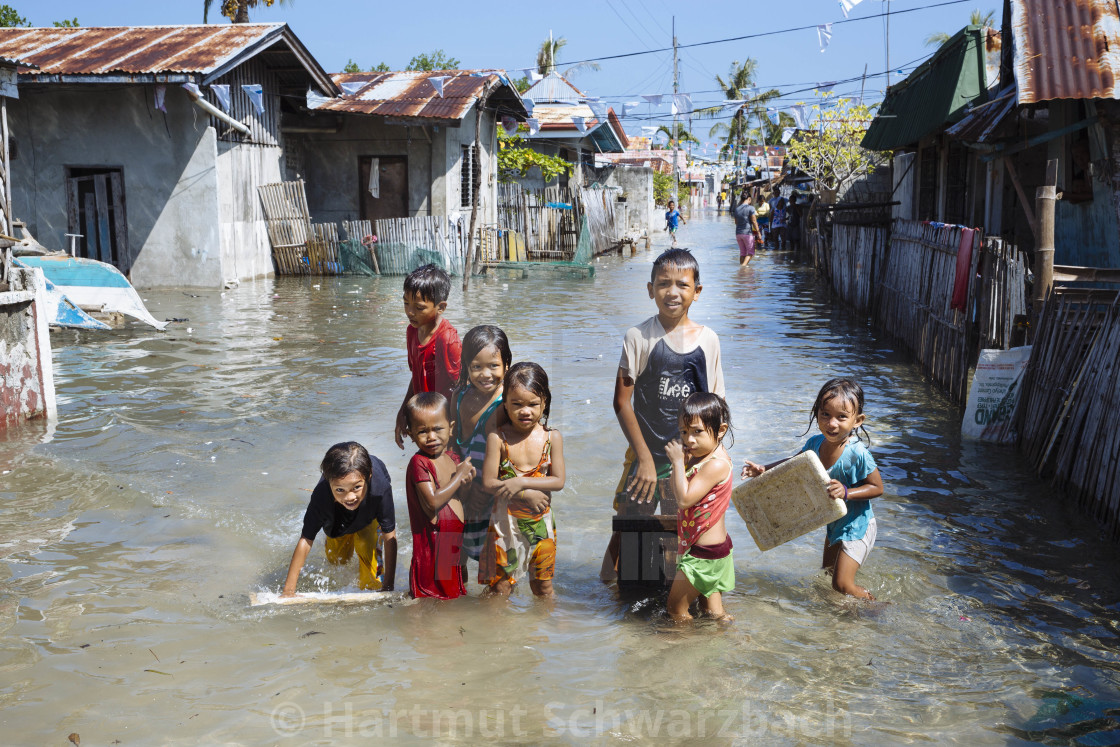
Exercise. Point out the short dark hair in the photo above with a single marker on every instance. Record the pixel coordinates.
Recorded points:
(847, 390)
(344, 458)
(430, 282)
(681, 259)
(477, 340)
(531, 376)
(712, 410)
(427, 402)
(744, 196)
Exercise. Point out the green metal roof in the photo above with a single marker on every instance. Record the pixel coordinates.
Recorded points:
(934, 95)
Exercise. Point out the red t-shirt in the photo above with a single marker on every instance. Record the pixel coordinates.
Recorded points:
(436, 569)
(435, 365)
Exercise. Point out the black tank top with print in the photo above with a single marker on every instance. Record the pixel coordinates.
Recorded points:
(667, 380)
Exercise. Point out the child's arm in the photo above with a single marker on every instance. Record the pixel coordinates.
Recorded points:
(432, 500)
(299, 557)
(401, 428)
(389, 555)
(644, 481)
(750, 469)
(691, 492)
(868, 488)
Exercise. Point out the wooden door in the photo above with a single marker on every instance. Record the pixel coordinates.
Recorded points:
(95, 211)
(392, 199)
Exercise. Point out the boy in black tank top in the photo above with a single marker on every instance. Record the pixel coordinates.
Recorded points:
(664, 359)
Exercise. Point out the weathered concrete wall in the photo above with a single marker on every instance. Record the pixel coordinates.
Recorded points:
(637, 183)
(167, 162)
(26, 372)
(245, 249)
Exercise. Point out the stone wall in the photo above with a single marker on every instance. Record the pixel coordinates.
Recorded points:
(26, 372)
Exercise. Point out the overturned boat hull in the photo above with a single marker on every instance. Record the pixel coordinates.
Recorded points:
(89, 284)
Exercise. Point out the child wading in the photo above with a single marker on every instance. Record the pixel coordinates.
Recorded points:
(664, 360)
(478, 402)
(432, 343)
(435, 479)
(838, 412)
(702, 484)
(673, 220)
(352, 500)
(524, 466)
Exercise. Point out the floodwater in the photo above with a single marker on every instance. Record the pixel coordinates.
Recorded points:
(176, 478)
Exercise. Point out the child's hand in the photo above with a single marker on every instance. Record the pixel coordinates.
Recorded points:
(401, 429)
(534, 501)
(837, 491)
(750, 469)
(674, 451)
(509, 488)
(465, 472)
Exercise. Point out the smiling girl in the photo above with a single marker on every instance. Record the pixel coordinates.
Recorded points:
(838, 412)
(524, 466)
(353, 505)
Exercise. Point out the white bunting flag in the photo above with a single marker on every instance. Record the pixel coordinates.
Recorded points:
(193, 89)
(437, 83)
(509, 124)
(787, 134)
(824, 35)
(629, 107)
(221, 93)
(774, 117)
(580, 123)
(653, 98)
(600, 110)
(532, 74)
(314, 98)
(826, 87)
(847, 5)
(798, 115)
(534, 125)
(255, 92)
(529, 104)
(682, 103)
(161, 98)
(352, 88)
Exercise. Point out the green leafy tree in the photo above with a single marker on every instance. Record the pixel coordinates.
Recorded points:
(516, 158)
(550, 51)
(238, 10)
(662, 188)
(522, 84)
(831, 153)
(682, 135)
(69, 23)
(435, 60)
(978, 18)
(10, 17)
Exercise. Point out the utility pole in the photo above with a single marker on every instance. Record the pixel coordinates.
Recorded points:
(888, 42)
(863, 84)
(676, 140)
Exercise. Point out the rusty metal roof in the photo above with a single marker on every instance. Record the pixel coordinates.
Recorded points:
(101, 53)
(1066, 49)
(411, 94)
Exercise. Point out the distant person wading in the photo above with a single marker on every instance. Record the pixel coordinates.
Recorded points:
(747, 233)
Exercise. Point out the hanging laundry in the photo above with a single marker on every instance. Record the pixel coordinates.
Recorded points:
(824, 35)
(161, 96)
(963, 274)
(255, 92)
(509, 124)
(534, 125)
(193, 89)
(374, 185)
(580, 123)
(682, 103)
(437, 83)
(221, 93)
(351, 88)
(847, 5)
(653, 98)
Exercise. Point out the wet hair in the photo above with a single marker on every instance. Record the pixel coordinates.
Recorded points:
(344, 458)
(847, 390)
(474, 342)
(744, 196)
(532, 377)
(427, 402)
(430, 282)
(712, 410)
(680, 259)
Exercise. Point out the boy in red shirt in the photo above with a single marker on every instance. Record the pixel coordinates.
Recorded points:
(433, 344)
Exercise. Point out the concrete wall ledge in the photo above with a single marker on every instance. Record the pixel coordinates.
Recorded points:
(11, 298)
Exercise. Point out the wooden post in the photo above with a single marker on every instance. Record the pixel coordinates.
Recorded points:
(1045, 197)
(476, 186)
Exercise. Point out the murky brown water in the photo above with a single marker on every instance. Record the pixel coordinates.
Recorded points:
(177, 476)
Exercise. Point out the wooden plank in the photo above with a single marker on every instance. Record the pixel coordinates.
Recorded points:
(104, 245)
(120, 222)
(321, 597)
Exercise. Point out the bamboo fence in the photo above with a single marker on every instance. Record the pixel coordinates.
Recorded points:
(1000, 291)
(533, 225)
(1071, 392)
(602, 219)
(854, 262)
(289, 225)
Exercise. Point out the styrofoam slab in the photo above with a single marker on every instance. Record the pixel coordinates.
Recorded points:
(787, 501)
(320, 597)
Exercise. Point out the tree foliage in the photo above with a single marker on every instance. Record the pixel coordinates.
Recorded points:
(682, 135)
(831, 153)
(977, 18)
(739, 86)
(352, 67)
(549, 52)
(435, 60)
(662, 188)
(237, 10)
(67, 23)
(516, 158)
(10, 17)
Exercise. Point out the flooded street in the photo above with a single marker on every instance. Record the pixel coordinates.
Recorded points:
(178, 473)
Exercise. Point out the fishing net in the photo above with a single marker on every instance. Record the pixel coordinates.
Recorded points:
(355, 258)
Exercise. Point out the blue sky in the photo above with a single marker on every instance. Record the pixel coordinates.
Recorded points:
(507, 35)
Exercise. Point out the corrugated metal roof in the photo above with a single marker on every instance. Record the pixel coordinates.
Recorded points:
(986, 123)
(411, 94)
(554, 89)
(934, 95)
(1066, 49)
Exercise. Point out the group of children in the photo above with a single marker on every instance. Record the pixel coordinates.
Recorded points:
(487, 464)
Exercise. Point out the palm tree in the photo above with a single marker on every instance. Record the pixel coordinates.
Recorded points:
(237, 10)
(682, 135)
(740, 80)
(550, 50)
(983, 20)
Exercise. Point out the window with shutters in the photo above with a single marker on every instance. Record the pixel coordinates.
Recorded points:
(468, 169)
